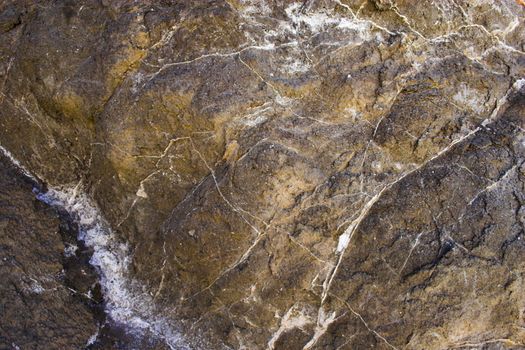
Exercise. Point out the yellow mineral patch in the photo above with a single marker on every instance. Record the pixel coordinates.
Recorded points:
(230, 154)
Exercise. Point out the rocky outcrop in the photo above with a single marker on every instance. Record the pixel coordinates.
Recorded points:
(311, 175)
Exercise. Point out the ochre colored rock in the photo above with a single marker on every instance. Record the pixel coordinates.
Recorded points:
(287, 174)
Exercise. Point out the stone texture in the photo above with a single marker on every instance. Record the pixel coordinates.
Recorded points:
(44, 295)
(316, 174)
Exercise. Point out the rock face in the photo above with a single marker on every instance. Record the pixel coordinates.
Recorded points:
(44, 295)
(287, 175)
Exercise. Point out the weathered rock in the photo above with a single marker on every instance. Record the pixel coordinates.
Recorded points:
(45, 296)
(315, 174)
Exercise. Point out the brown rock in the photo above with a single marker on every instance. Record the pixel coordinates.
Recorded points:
(287, 174)
(45, 302)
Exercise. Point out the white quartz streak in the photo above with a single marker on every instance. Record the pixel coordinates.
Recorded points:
(125, 302)
(16, 163)
(318, 21)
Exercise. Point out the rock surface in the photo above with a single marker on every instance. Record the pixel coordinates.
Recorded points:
(287, 175)
(44, 294)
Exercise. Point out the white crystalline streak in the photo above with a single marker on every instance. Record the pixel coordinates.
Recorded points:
(294, 66)
(470, 98)
(518, 84)
(303, 24)
(125, 304)
(256, 121)
(257, 116)
(255, 7)
(318, 21)
(36, 287)
(70, 250)
(323, 321)
(294, 318)
(92, 339)
(16, 163)
(344, 239)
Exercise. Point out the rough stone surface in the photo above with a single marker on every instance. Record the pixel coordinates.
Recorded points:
(44, 300)
(322, 174)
